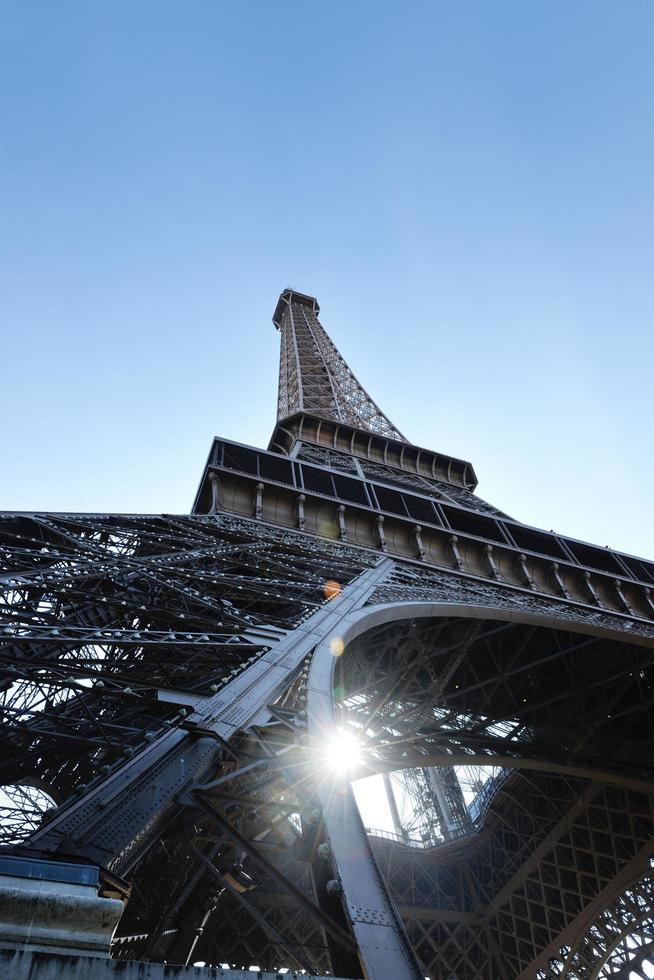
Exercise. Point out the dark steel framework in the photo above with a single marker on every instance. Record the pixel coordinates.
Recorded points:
(170, 684)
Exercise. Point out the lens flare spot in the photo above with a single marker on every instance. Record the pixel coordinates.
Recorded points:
(336, 646)
(331, 589)
(343, 751)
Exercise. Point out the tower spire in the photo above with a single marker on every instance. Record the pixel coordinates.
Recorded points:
(313, 376)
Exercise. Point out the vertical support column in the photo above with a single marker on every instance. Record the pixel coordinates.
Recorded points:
(421, 549)
(301, 523)
(621, 597)
(456, 554)
(558, 581)
(214, 483)
(384, 948)
(392, 805)
(258, 505)
(451, 806)
(590, 588)
(341, 522)
(524, 570)
(490, 561)
(380, 533)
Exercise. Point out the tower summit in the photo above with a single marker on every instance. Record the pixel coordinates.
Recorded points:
(189, 699)
(313, 377)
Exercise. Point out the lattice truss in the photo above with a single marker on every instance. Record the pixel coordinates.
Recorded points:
(111, 628)
(219, 906)
(552, 856)
(619, 943)
(109, 625)
(314, 378)
(447, 492)
(525, 750)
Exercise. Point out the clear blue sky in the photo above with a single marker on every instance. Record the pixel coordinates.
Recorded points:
(466, 186)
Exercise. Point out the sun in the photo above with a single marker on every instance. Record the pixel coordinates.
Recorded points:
(343, 751)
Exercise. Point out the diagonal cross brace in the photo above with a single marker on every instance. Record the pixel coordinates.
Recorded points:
(342, 938)
(116, 821)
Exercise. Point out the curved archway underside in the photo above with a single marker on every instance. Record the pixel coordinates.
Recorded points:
(543, 873)
(546, 857)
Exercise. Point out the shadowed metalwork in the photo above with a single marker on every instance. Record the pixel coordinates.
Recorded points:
(170, 686)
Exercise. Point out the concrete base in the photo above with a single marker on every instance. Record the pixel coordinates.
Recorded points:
(28, 964)
(52, 917)
(54, 907)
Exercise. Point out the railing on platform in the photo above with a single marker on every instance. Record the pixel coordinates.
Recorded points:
(477, 810)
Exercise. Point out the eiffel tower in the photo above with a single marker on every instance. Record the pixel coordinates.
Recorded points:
(176, 689)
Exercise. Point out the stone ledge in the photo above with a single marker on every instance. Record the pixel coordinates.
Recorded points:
(55, 915)
(28, 964)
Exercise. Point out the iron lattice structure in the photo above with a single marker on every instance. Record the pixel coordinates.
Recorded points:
(170, 684)
(313, 377)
